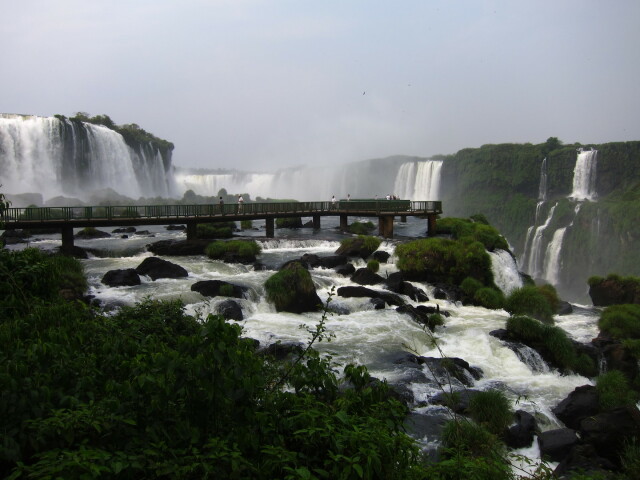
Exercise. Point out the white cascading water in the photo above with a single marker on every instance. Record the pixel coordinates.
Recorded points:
(535, 261)
(505, 271)
(584, 175)
(419, 180)
(56, 157)
(542, 255)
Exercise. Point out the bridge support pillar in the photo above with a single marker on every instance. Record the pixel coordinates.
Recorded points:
(316, 222)
(344, 222)
(192, 230)
(67, 240)
(385, 226)
(431, 221)
(269, 223)
(403, 218)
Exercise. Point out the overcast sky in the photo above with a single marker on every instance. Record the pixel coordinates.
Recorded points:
(261, 85)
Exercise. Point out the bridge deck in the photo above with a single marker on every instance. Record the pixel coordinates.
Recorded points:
(39, 217)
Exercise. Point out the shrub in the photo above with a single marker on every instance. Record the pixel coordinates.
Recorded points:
(237, 250)
(284, 286)
(550, 293)
(473, 231)
(215, 230)
(434, 320)
(470, 286)
(361, 228)
(445, 260)
(631, 458)
(289, 222)
(489, 298)
(529, 301)
(492, 410)
(373, 265)
(621, 321)
(614, 391)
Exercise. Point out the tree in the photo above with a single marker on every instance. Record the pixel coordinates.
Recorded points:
(552, 143)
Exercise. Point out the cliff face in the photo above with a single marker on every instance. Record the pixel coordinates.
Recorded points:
(519, 192)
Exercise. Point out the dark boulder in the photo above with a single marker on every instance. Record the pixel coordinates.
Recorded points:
(458, 401)
(613, 290)
(211, 288)
(520, 435)
(292, 289)
(91, 233)
(445, 370)
(309, 260)
(584, 458)
(345, 270)
(178, 247)
(579, 404)
(564, 308)
(352, 291)
(126, 277)
(155, 268)
(230, 310)
(332, 261)
(354, 248)
(378, 303)
(12, 237)
(283, 350)
(609, 431)
(396, 283)
(364, 276)
(176, 227)
(417, 315)
(617, 356)
(124, 230)
(381, 256)
(556, 444)
(428, 427)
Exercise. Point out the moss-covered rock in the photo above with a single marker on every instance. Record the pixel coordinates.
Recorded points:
(292, 289)
(361, 246)
(614, 290)
(234, 251)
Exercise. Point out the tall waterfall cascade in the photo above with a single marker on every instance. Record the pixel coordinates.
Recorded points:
(419, 180)
(59, 157)
(584, 175)
(542, 253)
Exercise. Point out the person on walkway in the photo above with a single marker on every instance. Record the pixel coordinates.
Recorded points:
(221, 206)
(240, 202)
(348, 197)
(333, 202)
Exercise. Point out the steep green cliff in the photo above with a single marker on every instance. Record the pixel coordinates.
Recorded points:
(503, 182)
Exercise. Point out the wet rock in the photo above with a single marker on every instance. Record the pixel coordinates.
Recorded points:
(91, 233)
(579, 404)
(613, 291)
(381, 256)
(12, 237)
(345, 270)
(283, 350)
(333, 261)
(396, 283)
(521, 434)
(211, 288)
(352, 291)
(126, 277)
(124, 230)
(585, 459)
(178, 247)
(458, 401)
(230, 310)
(176, 227)
(609, 431)
(364, 276)
(556, 444)
(155, 268)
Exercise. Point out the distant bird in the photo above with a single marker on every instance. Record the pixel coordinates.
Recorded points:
(364, 92)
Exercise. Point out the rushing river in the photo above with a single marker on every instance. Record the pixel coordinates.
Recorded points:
(363, 335)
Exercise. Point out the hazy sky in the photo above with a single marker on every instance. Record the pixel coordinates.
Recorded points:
(260, 85)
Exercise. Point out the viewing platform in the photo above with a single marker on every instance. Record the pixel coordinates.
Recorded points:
(68, 218)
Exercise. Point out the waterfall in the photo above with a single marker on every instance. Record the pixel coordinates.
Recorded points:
(419, 180)
(542, 188)
(505, 271)
(59, 157)
(531, 358)
(535, 258)
(584, 175)
(552, 257)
